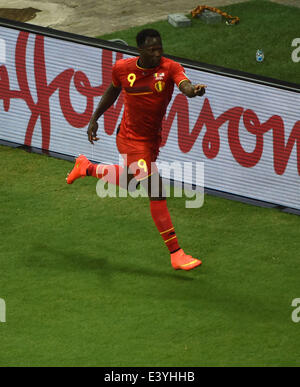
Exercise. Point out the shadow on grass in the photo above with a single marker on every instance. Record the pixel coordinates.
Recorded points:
(77, 261)
(203, 292)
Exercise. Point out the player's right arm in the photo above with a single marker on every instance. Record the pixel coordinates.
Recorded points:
(109, 97)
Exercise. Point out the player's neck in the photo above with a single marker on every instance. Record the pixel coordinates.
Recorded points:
(144, 65)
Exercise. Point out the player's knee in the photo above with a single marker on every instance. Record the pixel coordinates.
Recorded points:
(128, 181)
(154, 187)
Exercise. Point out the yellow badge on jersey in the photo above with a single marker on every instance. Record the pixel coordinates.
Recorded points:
(159, 86)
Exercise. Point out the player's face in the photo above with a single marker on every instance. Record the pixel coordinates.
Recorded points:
(151, 52)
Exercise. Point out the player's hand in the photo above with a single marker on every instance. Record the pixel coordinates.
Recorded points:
(92, 132)
(199, 89)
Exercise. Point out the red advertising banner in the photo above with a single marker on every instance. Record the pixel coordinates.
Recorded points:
(245, 130)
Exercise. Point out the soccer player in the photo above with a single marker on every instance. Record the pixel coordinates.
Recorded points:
(147, 82)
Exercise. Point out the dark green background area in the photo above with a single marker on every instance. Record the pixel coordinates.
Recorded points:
(88, 281)
(263, 25)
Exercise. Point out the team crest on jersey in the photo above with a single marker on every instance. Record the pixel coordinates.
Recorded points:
(159, 86)
(159, 76)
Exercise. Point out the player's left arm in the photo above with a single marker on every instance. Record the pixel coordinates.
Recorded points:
(190, 90)
(184, 84)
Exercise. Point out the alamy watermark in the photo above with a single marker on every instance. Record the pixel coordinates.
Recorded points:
(296, 312)
(2, 311)
(296, 51)
(187, 181)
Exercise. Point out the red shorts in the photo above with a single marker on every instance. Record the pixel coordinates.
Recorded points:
(139, 156)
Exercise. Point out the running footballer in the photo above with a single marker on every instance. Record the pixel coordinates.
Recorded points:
(147, 83)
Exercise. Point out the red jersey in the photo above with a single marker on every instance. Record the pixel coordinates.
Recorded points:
(147, 93)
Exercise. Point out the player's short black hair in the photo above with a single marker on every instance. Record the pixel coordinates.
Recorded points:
(144, 34)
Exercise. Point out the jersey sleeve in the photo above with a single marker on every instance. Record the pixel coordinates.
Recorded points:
(177, 73)
(115, 75)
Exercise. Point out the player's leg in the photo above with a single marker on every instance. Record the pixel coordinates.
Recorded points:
(79, 169)
(83, 167)
(152, 182)
(114, 174)
(127, 177)
(127, 180)
(162, 219)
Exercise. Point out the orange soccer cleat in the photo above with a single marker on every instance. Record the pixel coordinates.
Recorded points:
(180, 260)
(79, 170)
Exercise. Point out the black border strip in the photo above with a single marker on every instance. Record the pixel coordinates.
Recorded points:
(106, 44)
(209, 191)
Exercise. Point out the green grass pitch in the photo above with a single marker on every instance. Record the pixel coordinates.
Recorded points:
(88, 281)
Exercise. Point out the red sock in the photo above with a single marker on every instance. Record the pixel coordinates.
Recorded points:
(109, 173)
(163, 222)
